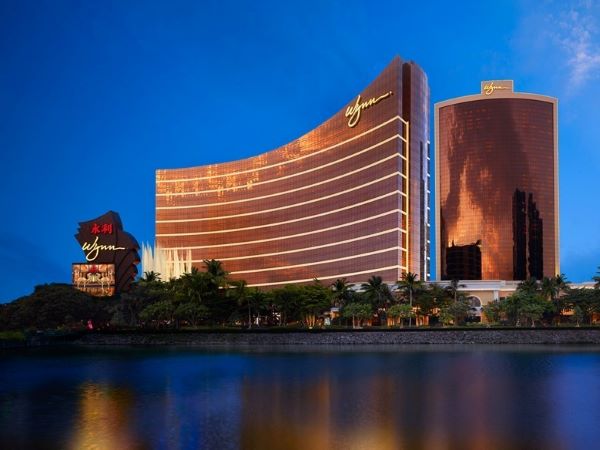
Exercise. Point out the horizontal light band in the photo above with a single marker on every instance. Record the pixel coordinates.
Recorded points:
(297, 250)
(287, 161)
(282, 222)
(308, 186)
(314, 263)
(291, 236)
(279, 208)
(332, 277)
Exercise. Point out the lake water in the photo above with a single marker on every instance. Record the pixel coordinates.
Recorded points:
(435, 397)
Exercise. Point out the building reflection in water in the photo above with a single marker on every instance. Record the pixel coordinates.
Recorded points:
(421, 405)
(105, 419)
(320, 414)
(377, 398)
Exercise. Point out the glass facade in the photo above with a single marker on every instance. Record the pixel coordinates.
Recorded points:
(497, 187)
(348, 199)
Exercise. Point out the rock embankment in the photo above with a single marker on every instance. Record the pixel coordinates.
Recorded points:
(363, 337)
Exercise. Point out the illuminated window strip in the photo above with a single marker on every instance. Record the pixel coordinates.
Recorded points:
(329, 180)
(331, 244)
(285, 177)
(297, 250)
(278, 238)
(287, 161)
(314, 263)
(374, 199)
(331, 277)
(404, 249)
(280, 208)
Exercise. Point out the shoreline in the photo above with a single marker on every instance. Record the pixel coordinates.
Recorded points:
(242, 338)
(247, 338)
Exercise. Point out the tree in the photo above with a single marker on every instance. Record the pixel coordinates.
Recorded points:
(533, 307)
(492, 311)
(453, 289)
(314, 300)
(409, 285)
(587, 300)
(357, 312)
(562, 283)
(529, 286)
(511, 307)
(159, 312)
(401, 311)
(221, 307)
(191, 312)
(377, 291)
(446, 316)
(431, 299)
(150, 277)
(216, 272)
(140, 295)
(192, 286)
(240, 292)
(596, 278)
(457, 311)
(551, 289)
(341, 292)
(258, 301)
(53, 306)
(578, 315)
(524, 305)
(286, 301)
(563, 288)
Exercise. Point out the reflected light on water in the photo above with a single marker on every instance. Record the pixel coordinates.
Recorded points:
(128, 399)
(104, 419)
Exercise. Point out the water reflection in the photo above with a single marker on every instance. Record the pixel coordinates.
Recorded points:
(270, 400)
(104, 418)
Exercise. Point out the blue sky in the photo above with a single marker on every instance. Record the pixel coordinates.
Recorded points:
(94, 96)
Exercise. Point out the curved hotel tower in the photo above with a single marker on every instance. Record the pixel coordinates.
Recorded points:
(497, 185)
(348, 199)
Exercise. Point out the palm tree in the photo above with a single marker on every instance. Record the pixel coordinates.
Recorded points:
(562, 282)
(453, 289)
(150, 277)
(217, 273)
(529, 285)
(597, 278)
(410, 284)
(552, 288)
(549, 288)
(377, 291)
(258, 300)
(341, 291)
(241, 293)
(192, 285)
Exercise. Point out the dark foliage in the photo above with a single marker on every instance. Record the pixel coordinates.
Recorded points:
(54, 306)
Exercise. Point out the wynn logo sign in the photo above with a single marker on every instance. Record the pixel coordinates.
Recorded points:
(111, 256)
(353, 112)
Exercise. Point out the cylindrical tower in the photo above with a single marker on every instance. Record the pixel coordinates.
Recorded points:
(497, 185)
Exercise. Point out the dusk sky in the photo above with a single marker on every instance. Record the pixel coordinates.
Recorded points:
(95, 96)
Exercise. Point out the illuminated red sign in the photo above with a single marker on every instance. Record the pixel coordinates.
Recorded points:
(102, 228)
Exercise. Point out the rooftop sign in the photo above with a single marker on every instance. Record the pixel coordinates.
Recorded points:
(353, 112)
(490, 87)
